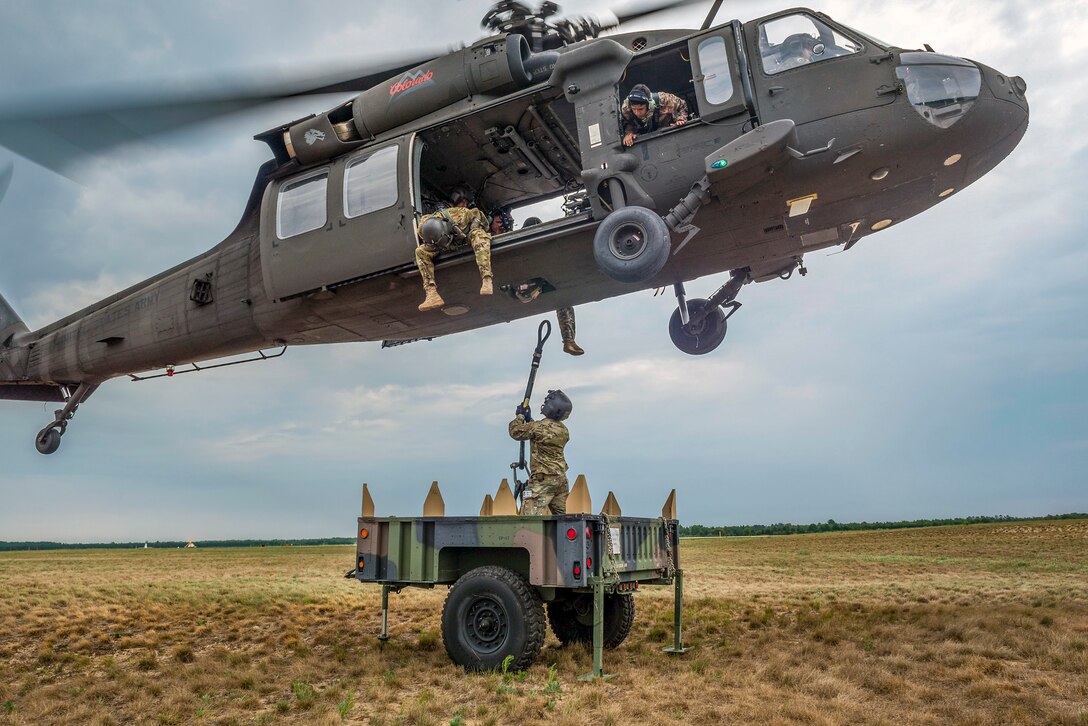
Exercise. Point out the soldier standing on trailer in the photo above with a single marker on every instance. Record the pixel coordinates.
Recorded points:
(546, 492)
(448, 228)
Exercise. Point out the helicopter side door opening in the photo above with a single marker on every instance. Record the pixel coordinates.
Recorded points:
(515, 153)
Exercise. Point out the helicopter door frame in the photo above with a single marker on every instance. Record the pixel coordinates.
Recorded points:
(713, 53)
(369, 222)
(845, 80)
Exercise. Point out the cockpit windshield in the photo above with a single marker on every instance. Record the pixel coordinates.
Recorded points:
(796, 40)
(883, 45)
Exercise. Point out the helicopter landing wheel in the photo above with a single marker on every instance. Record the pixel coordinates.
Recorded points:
(632, 244)
(48, 439)
(702, 337)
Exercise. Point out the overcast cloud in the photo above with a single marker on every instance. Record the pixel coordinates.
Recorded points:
(937, 369)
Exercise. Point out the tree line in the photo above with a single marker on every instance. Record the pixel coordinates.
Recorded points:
(9, 546)
(751, 530)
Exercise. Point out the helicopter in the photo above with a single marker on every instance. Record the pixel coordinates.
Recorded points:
(804, 134)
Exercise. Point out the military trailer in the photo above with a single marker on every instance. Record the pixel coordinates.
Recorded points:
(505, 571)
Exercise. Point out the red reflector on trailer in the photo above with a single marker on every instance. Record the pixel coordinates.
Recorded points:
(589, 562)
(571, 534)
(589, 532)
(577, 570)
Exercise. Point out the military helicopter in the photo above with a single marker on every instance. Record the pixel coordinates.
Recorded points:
(804, 134)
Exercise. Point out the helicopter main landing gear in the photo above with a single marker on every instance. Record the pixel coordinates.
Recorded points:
(48, 439)
(631, 244)
(698, 326)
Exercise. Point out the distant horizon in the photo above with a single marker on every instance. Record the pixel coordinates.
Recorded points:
(8, 545)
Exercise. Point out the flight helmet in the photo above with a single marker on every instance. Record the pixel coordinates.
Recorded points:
(459, 193)
(556, 406)
(437, 231)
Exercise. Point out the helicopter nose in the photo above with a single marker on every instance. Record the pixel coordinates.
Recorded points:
(1006, 88)
(1000, 120)
(1008, 112)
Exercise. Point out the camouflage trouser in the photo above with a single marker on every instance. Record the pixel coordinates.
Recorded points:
(481, 245)
(566, 323)
(549, 496)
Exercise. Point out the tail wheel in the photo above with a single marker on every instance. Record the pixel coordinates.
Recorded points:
(492, 613)
(704, 336)
(632, 244)
(572, 619)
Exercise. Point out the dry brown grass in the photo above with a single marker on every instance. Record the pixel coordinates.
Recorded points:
(965, 625)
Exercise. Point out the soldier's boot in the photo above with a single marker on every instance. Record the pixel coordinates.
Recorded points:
(433, 301)
(486, 287)
(572, 348)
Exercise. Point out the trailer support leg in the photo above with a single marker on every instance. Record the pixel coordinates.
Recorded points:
(384, 635)
(598, 633)
(677, 616)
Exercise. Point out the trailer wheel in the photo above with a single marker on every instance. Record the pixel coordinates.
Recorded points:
(572, 619)
(492, 613)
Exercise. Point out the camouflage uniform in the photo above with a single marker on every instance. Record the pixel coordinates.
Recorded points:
(565, 317)
(473, 224)
(668, 111)
(546, 492)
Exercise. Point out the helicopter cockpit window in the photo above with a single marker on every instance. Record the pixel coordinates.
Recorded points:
(301, 206)
(797, 40)
(941, 88)
(714, 64)
(370, 183)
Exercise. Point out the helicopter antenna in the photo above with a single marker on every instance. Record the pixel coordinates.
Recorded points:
(711, 15)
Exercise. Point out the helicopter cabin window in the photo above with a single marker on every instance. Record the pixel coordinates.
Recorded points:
(797, 40)
(370, 183)
(714, 63)
(301, 206)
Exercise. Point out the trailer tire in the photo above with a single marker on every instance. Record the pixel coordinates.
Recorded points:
(572, 619)
(492, 613)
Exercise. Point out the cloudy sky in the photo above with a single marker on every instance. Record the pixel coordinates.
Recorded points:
(938, 369)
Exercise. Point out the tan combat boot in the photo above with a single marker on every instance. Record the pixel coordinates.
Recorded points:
(486, 287)
(572, 348)
(433, 301)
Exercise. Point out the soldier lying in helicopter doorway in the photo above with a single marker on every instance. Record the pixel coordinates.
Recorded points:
(645, 112)
(445, 229)
(546, 492)
(501, 222)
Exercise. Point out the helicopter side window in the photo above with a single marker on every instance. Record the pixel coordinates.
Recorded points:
(714, 64)
(301, 206)
(370, 183)
(797, 40)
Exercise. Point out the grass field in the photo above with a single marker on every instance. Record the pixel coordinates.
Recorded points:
(986, 624)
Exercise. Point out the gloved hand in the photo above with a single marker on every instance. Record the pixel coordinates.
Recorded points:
(524, 412)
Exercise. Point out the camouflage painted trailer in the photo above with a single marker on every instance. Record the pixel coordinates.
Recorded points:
(505, 571)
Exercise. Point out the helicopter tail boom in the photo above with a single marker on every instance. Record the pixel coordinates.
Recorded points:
(13, 358)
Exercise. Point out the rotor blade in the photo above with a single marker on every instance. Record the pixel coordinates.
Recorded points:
(632, 11)
(75, 126)
(6, 171)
